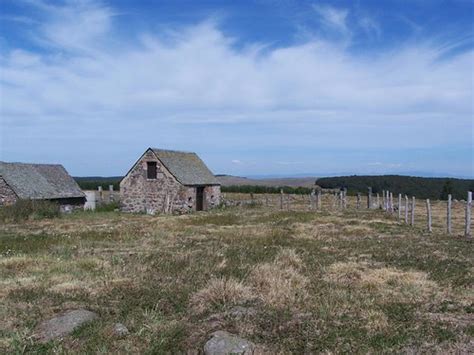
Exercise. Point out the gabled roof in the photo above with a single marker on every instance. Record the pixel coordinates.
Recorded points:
(39, 181)
(186, 167)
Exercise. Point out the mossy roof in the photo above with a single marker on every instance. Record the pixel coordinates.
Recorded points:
(39, 181)
(186, 167)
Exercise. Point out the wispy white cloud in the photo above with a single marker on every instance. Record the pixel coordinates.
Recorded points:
(332, 17)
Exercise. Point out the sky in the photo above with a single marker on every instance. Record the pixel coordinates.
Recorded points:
(256, 88)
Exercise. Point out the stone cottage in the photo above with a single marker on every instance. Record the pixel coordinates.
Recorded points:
(20, 181)
(166, 181)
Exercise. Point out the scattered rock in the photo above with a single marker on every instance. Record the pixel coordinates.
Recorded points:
(120, 330)
(62, 325)
(222, 343)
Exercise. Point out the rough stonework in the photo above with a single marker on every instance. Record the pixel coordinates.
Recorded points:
(166, 192)
(7, 195)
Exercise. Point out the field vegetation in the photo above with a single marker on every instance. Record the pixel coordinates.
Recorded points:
(352, 281)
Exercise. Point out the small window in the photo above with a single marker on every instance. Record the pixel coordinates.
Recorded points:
(151, 170)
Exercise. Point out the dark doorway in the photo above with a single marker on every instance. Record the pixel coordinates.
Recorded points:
(199, 198)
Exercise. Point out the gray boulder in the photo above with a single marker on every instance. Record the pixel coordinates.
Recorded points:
(222, 343)
(62, 325)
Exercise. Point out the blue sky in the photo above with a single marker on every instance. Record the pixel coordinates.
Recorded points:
(264, 87)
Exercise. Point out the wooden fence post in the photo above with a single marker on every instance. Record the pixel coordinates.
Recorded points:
(467, 231)
(281, 199)
(448, 213)
(413, 210)
(369, 198)
(399, 206)
(101, 194)
(320, 200)
(383, 200)
(288, 202)
(406, 209)
(377, 201)
(428, 212)
(358, 201)
(391, 202)
(344, 198)
(111, 193)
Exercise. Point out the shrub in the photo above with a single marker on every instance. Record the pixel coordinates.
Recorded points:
(29, 209)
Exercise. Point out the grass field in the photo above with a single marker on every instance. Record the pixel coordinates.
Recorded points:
(330, 281)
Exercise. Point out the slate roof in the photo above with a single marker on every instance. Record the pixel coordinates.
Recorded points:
(186, 167)
(39, 181)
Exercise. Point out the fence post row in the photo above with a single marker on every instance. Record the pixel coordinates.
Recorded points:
(467, 231)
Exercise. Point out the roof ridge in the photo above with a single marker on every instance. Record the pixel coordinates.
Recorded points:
(21, 163)
(171, 150)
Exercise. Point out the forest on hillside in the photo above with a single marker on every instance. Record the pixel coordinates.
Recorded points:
(421, 187)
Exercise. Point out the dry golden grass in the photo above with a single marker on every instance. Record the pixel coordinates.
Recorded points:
(389, 284)
(219, 293)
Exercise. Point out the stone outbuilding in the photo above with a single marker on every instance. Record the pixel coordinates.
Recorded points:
(21, 181)
(167, 181)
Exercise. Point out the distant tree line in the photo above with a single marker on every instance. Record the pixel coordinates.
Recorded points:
(258, 189)
(92, 182)
(434, 188)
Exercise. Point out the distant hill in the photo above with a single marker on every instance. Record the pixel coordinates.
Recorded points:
(229, 180)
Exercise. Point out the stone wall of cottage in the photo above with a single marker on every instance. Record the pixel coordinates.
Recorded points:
(161, 195)
(164, 194)
(7, 196)
(212, 196)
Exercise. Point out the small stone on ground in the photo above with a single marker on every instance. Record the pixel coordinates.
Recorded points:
(120, 330)
(223, 342)
(64, 324)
